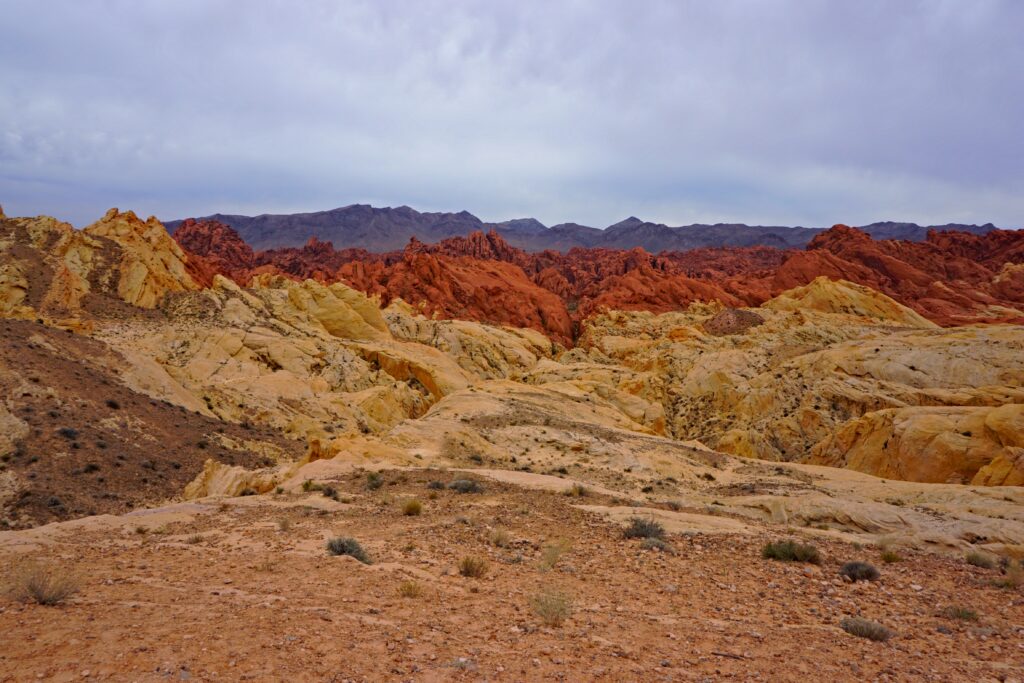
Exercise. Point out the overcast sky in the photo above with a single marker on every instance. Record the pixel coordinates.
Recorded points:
(801, 113)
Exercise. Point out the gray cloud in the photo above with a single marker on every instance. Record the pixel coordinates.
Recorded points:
(804, 112)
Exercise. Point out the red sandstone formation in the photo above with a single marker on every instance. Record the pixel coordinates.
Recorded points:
(217, 244)
(464, 287)
(952, 278)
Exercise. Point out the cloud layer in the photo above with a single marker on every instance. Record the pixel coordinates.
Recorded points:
(807, 112)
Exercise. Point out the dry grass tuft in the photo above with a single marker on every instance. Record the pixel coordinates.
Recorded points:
(412, 508)
(552, 606)
(890, 556)
(473, 567)
(577, 491)
(500, 538)
(551, 553)
(44, 584)
(1013, 575)
(959, 613)
(410, 589)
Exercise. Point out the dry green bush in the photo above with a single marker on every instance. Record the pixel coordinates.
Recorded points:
(466, 486)
(657, 544)
(859, 571)
(791, 551)
(979, 559)
(644, 528)
(348, 546)
(865, 628)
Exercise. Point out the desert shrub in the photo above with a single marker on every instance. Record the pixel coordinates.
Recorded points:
(435, 485)
(859, 571)
(410, 589)
(890, 556)
(374, 481)
(473, 567)
(45, 584)
(412, 508)
(959, 613)
(865, 628)
(1013, 575)
(466, 486)
(310, 485)
(577, 491)
(348, 546)
(791, 551)
(657, 544)
(194, 539)
(552, 606)
(500, 538)
(644, 528)
(68, 433)
(112, 404)
(978, 559)
(552, 552)
(330, 492)
(284, 524)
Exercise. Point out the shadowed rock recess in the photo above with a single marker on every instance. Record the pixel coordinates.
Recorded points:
(186, 422)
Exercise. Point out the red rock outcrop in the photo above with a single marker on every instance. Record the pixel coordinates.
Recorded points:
(952, 278)
(464, 287)
(218, 244)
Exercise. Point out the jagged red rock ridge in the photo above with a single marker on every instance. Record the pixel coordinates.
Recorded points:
(951, 278)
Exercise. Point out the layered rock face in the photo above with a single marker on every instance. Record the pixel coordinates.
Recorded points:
(618, 361)
(49, 267)
(834, 374)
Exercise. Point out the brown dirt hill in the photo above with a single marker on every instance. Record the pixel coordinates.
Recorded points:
(77, 441)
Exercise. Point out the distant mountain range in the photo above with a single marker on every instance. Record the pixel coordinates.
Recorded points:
(388, 229)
